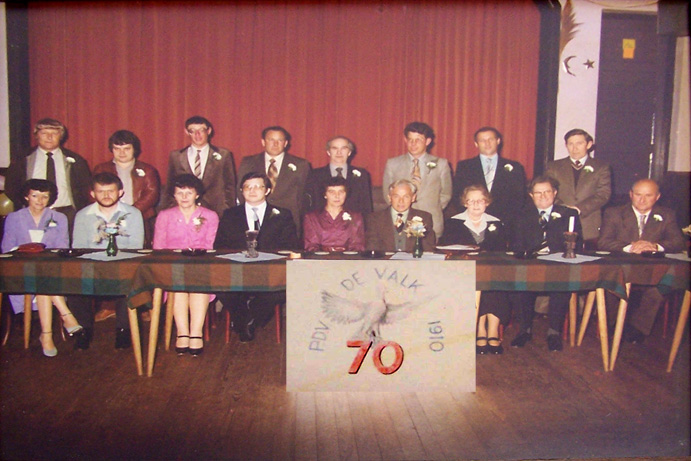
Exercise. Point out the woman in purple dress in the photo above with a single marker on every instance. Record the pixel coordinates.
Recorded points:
(39, 224)
(187, 225)
(333, 228)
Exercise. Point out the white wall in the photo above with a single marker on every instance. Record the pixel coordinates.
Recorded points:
(679, 142)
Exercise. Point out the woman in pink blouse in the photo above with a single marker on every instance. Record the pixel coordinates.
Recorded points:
(187, 226)
(333, 228)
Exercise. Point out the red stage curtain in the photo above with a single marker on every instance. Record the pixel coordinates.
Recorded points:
(363, 70)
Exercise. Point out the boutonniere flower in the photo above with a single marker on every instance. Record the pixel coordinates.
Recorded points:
(275, 211)
(588, 169)
(198, 222)
(292, 167)
(216, 156)
(431, 165)
(491, 228)
(346, 216)
(357, 173)
(657, 217)
(141, 173)
(554, 215)
(508, 167)
(70, 159)
(51, 223)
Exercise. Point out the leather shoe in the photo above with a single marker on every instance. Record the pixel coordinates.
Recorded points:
(554, 343)
(521, 339)
(496, 350)
(247, 333)
(196, 351)
(480, 350)
(123, 338)
(82, 338)
(182, 350)
(633, 335)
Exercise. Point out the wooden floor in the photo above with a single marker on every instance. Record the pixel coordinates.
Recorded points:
(230, 403)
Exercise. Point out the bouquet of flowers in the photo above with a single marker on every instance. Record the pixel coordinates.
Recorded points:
(105, 229)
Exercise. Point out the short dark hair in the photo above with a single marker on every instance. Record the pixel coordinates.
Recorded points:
(256, 175)
(41, 185)
(543, 179)
(276, 128)
(487, 128)
(187, 181)
(106, 179)
(122, 137)
(335, 181)
(419, 127)
(579, 131)
(197, 120)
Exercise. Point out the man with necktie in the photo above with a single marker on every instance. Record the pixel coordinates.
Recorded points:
(50, 160)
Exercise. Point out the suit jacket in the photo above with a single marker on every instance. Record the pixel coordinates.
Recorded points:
(277, 231)
(435, 189)
(590, 194)
(456, 232)
(146, 185)
(528, 235)
(379, 231)
(508, 189)
(620, 228)
(359, 196)
(219, 178)
(77, 174)
(290, 185)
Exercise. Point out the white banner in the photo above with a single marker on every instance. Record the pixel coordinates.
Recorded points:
(380, 325)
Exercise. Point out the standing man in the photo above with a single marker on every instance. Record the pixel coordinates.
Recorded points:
(431, 175)
(505, 179)
(385, 229)
(358, 180)
(276, 232)
(215, 166)
(541, 226)
(89, 232)
(287, 173)
(641, 226)
(584, 183)
(49, 160)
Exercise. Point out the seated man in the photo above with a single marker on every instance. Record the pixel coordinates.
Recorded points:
(629, 228)
(89, 232)
(385, 229)
(541, 227)
(276, 232)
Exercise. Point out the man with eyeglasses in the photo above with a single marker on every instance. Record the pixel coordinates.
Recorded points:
(276, 232)
(214, 165)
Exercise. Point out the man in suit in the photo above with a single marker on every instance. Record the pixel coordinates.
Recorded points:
(385, 229)
(287, 173)
(214, 165)
(276, 232)
(430, 174)
(358, 180)
(584, 183)
(505, 179)
(635, 228)
(540, 227)
(49, 160)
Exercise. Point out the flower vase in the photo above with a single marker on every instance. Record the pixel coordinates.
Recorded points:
(112, 248)
(417, 249)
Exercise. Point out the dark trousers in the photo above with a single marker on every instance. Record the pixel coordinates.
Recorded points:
(247, 306)
(558, 306)
(83, 309)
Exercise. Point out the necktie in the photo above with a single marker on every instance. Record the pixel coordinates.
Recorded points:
(339, 172)
(577, 164)
(399, 222)
(489, 178)
(256, 218)
(543, 219)
(416, 172)
(641, 224)
(198, 165)
(543, 226)
(272, 173)
(50, 168)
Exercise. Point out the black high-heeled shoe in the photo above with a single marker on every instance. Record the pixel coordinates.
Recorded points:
(196, 351)
(182, 350)
(481, 350)
(496, 350)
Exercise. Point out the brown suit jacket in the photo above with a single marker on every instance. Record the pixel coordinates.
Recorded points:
(620, 228)
(379, 231)
(146, 185)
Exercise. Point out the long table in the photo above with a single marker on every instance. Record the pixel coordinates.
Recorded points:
(141, 278)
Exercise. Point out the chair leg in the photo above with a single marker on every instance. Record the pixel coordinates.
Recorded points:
(169, 319)
(278, 323)
(27, 320)
(227, 314)
(207, 321)
(7, 328)
(665, 316)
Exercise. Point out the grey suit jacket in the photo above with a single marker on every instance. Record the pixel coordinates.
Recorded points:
(435, 189)
(219, 177)
(379, 231)
(290, 186)
(620, 228)
(590, 194)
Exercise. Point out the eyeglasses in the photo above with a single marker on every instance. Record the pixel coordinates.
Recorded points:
(253, 187)
(475, 202)
(193, 132)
